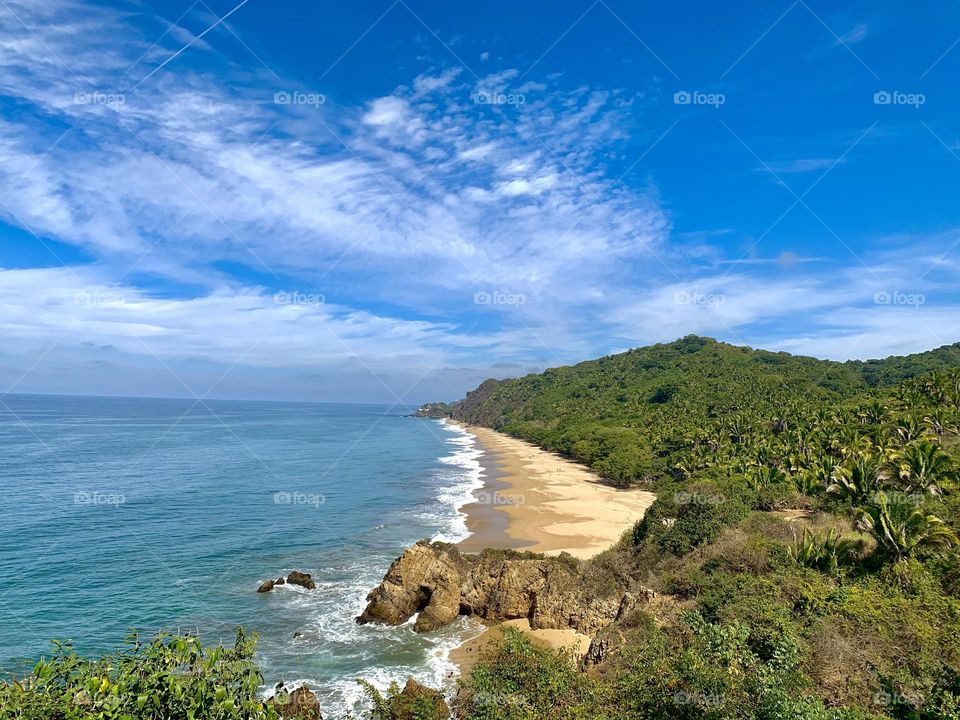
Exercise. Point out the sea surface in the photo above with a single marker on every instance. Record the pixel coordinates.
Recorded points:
(122, 513)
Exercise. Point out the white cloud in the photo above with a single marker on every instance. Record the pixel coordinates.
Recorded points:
(410, 203)
(855, 34)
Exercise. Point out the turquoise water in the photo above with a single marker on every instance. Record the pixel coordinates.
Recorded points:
(149, 514)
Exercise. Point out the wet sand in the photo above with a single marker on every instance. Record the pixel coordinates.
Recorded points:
(539, 501)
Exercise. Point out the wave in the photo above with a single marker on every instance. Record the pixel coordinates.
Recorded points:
(459, 485)
(381, 655)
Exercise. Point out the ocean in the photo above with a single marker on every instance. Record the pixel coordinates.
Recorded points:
(150, 514)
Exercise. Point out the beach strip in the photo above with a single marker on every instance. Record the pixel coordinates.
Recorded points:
(536, 500)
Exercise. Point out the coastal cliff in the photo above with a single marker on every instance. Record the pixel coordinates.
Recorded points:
(438, 584)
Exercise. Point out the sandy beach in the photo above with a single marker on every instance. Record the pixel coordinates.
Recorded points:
(539, 501)
(467, 655)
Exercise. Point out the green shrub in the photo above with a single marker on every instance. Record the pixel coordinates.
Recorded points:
(517, 680)
(171, 676)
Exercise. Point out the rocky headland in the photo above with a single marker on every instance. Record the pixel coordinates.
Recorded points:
(438, 584)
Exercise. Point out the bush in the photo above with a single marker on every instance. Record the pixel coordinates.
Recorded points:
(702, 514)
(172, 676)
(517, 680)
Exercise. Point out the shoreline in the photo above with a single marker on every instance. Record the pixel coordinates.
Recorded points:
(536, 500)
(486, 522)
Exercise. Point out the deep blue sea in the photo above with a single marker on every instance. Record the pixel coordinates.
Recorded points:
(132, 513)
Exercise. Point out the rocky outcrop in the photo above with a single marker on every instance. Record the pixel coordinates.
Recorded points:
(301, 704)
(270, 585)
(439, 583)
(433, 410)
(426, 579)
(304, 580)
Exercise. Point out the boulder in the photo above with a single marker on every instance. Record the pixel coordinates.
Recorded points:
(270, 585)
(302, 579)
(301, 704)
(425, 579)
(599, 650)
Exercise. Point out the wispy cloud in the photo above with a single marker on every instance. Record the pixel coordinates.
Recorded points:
(800, 165)
(455, 226)
(855, 34)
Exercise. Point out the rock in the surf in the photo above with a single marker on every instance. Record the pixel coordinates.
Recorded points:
(270, 585)
(302, 579)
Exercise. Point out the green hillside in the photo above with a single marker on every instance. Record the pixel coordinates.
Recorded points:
(804, 535)
(636, 416)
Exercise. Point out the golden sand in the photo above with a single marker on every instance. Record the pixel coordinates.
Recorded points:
(550, 504)
(539, 501)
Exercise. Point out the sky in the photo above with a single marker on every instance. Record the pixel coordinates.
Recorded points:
(393, 201)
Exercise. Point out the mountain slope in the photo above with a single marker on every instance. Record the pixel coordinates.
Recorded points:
(628, 415)
(806, 524)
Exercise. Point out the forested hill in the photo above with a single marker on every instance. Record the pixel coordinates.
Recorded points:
(806, 532)
(629, 414)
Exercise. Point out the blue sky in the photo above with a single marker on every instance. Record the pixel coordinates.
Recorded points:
(392, 201)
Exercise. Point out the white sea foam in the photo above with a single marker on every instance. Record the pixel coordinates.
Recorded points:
(327, 614)
(460, 484)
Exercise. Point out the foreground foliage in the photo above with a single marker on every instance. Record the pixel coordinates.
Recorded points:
(171, 676)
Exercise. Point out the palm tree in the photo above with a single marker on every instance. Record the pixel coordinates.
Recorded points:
(901, 529)
(925, 467)
(872, 414)
(816, 477)
(860, 479)
(907, 430)
(936, 422)
(823, 552)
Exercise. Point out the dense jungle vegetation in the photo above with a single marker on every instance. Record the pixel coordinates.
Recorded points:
(805, 530)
